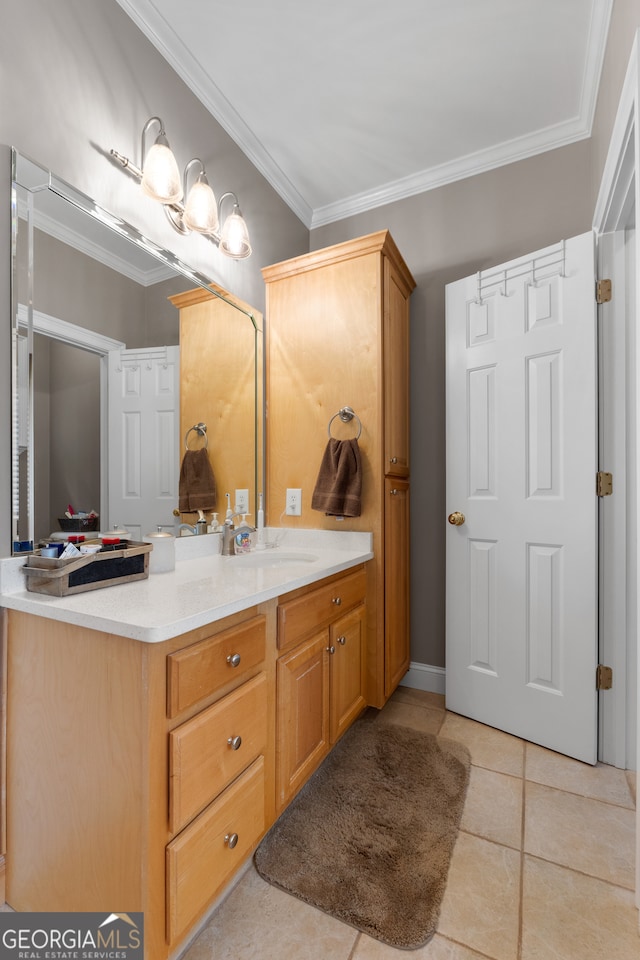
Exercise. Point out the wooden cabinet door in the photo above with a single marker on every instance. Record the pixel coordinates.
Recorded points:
(347, 674)
(395, 347)
(396, 582)
(302, 713)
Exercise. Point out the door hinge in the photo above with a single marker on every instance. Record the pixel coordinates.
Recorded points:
(604, 677)
(603, 291)
(604, 484)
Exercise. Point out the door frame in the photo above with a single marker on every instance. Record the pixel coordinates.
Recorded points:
(93, 342)
(619, 194)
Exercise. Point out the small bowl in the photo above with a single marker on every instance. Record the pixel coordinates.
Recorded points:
(90, 548)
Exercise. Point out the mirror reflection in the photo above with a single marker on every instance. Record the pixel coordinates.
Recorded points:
(118, 350)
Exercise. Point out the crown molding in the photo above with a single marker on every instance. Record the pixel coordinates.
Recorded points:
(460, 169)
(156, 29)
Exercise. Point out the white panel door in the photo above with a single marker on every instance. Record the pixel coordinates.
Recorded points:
(521, 649)
(144, 443)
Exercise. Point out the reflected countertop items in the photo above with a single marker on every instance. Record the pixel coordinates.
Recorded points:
(203, 588)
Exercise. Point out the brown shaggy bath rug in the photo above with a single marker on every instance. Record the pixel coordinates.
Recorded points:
(369, 838)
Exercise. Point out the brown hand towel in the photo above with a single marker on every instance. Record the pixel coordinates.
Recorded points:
(339, 485)
(197, 490)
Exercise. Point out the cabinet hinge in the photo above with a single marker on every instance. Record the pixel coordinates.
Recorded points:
(603, 291)
(604, 484)
(604, 677)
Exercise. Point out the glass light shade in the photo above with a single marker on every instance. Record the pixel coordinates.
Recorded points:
(234, 239)
(201, 209)
(161, 177)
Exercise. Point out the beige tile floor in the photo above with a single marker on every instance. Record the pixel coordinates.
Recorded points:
(543, 868)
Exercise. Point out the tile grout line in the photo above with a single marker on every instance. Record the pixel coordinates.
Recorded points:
(355, 944)
(582, 796)
(580, 873)
(522, 829)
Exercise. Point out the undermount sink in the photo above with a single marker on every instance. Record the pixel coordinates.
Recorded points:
(275, 558)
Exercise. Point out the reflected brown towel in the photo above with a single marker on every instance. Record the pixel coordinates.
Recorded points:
(197, 490)
(339, 485)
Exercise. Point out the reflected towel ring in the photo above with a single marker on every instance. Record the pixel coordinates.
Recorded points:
(346, 414)
(201, 429)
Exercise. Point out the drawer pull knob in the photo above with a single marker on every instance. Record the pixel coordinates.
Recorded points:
(230, 840)
(235, 742)
(393, 459)
(336, 600)
(233, 659)
(342, 641)
(331, 649)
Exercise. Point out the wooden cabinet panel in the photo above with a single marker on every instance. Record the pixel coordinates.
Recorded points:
(347, 671)
(354, 297)
(205, 754)
(196, 672)
(396, 580)
(302, 714)
(317, 608)
(201, 860)
(395, 346)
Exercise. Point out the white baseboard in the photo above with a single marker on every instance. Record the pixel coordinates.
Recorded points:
(423, 676)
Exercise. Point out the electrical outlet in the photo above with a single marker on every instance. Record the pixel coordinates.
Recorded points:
(242, 501)
(294, 502)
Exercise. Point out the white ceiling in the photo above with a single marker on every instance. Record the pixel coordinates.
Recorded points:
(345, 105)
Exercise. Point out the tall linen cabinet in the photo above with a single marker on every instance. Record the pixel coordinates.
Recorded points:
(337, 334)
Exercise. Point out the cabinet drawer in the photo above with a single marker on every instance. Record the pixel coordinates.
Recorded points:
(199, 670)
(209, 751)
(200, 861)
(318, 607)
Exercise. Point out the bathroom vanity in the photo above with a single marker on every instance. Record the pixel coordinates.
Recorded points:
(155, 729)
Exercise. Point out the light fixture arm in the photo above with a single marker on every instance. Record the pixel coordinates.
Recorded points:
(232, 239)
(145, 131)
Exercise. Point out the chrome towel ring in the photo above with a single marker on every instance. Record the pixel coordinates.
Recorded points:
(201, 430)
(346, 414)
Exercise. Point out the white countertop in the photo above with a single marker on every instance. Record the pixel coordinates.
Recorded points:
(199, 591)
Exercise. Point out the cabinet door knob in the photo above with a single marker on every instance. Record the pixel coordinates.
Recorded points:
(230, 840)
(331, 649)
(233, 659)
(342, 641)
(394, 492)
(336, 600)
(235, 742)
(393, 459)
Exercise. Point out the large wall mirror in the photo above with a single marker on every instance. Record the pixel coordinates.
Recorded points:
(118, 350)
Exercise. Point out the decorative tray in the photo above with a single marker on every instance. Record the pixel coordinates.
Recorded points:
(59, 578)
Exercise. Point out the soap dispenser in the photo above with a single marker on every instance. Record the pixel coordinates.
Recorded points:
(242, 535)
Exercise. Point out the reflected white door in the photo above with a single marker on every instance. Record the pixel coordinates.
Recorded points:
(521, 650)
(144, 443)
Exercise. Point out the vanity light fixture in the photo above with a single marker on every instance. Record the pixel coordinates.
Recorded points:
(200, 212)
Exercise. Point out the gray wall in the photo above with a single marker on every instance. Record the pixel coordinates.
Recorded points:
(452, 232)
(78, 78)
(83, 79)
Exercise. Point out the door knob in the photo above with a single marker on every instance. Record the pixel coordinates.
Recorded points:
(456, 518)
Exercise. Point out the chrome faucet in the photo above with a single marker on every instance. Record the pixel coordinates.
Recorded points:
(198, 529)
(228, 531)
